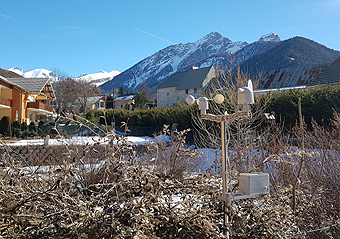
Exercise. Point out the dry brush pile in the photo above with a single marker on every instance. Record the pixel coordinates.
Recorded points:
(152, 194)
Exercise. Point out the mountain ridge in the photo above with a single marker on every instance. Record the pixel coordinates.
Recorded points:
(293, 52)
(158, 67)
(267, 53)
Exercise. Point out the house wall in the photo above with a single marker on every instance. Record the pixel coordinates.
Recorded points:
(99, 105)
(6, 92)
(166, 97)
(182, 95)
(121, 104)
(170, 96)
(5, 112)
(16, 104)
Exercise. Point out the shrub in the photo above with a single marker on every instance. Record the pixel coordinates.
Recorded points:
(317, 103)
(145, 118)
(23, 126)
(32, 127)
(41, 122)
(5, 126)
(15, 125)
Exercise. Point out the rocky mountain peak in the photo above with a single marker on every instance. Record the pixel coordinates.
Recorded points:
(270, 37)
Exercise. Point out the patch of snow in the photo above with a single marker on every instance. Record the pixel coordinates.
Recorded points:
(162, 139)
(81, 140)
(37, 73)
(98, 78)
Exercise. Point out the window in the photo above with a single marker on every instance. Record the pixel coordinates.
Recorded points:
(186, 91)
(97, 105)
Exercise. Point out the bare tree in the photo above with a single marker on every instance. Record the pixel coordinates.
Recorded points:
(84, 91)
(72, 94)
(242, 132)
(60, 74)
(66, 94)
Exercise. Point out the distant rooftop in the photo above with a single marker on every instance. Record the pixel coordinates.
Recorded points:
(331, 75)
(192, 78)
(289, 77)
(94, 99)
(125, 97)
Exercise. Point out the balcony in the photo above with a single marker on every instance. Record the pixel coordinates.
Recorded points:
(40, 107)
(5, 103)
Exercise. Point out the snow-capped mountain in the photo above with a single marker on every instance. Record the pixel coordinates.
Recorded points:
(154, 69)
(37, 73)
(229, 60)
(270, 37)
(98, 78)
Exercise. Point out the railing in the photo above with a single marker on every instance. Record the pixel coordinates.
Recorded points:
(39, 105)
(5, 101)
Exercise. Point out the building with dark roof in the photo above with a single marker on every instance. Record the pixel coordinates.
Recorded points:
(26, 99)
(330, 75)
(125, 101)
(181, 84)
(290, 77)
(96, 103)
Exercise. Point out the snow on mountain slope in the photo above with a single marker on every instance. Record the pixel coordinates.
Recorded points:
(230, 60)
(158, 67)
(99, 78)
(37, 73)
(270, 37)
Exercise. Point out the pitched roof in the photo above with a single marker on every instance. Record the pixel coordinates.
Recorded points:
(330, 75)
(9, 74)
(192, 78)
(125, 97)
(289, 77)
(32, 85)
(94, 99)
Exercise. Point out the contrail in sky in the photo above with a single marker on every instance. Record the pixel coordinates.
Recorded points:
(154, 36)
(8, 16)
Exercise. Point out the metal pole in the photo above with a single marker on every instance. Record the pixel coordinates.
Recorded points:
(224, 172)
(224, 156)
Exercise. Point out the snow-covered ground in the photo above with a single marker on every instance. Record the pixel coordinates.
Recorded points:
(80, 140)
(208, 156)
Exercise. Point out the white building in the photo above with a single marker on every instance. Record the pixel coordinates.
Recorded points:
(181, 84)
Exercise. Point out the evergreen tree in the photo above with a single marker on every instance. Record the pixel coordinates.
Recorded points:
(121, 91)
(109, 102)
(140, 101)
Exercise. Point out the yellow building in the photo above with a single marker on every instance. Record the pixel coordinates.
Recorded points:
(25, 99)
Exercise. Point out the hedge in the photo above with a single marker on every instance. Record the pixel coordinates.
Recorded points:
(318, 103)
(145, 118)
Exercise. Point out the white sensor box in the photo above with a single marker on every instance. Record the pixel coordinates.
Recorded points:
(253, 183)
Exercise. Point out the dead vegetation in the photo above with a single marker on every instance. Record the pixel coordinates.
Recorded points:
(150, 194)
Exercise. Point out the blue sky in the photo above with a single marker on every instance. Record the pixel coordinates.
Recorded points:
(88, 36)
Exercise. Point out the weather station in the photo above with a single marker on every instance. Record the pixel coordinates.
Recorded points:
(250, 184)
